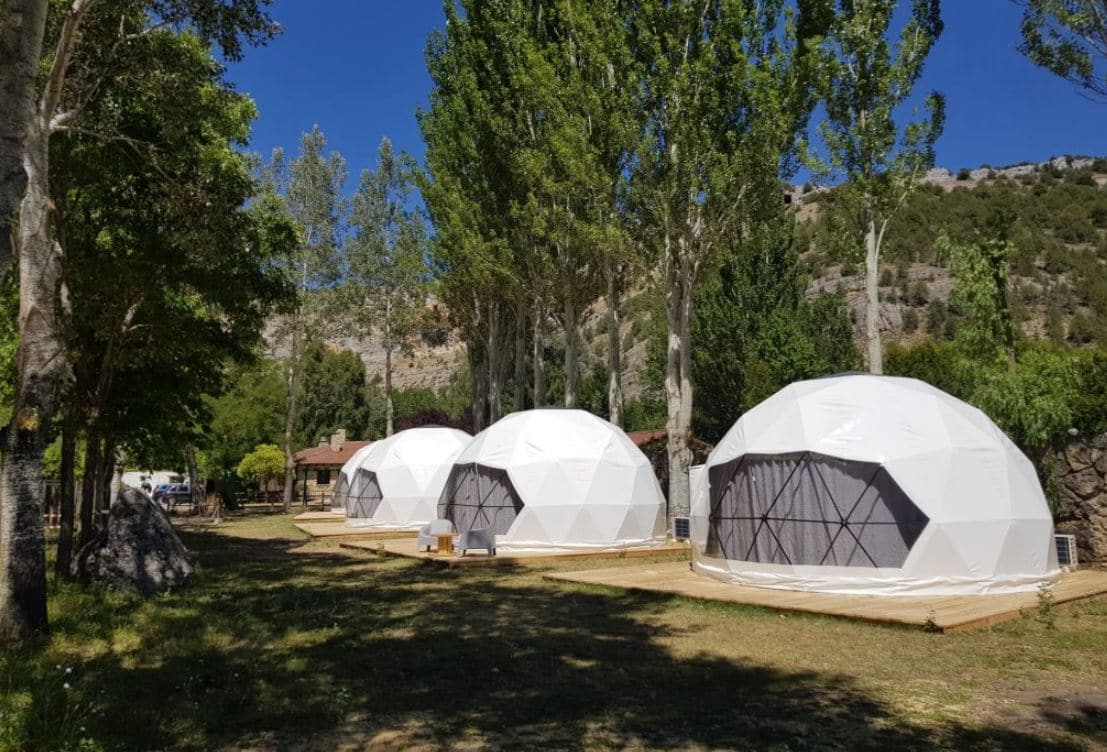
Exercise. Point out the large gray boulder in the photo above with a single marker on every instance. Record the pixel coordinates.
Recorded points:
(138, 550)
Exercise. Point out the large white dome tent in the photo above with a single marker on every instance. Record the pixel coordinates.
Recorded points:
(398, 482)
(556, 480)
(343, 487)
(871, 484)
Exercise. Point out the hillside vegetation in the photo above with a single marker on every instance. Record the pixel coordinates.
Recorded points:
(1058, 283)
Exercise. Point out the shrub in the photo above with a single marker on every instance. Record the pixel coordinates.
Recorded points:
(920, 293)
(910, 321)
(937, 316)
(964, 173)
(1083, 329)
(263, 464)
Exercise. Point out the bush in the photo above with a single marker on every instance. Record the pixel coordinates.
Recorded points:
(263, 464)
(964, 173)
(937, 316)
(644, 413)
(920, 293)
(910, 321)
(1083, 329)
(887, 278)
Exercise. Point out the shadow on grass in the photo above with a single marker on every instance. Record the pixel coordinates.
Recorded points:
(274, 648)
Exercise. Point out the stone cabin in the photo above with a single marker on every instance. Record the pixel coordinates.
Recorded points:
(317, 467)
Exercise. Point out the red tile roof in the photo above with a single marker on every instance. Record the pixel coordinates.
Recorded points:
(324, 456)
(641, 438)
(645, 438)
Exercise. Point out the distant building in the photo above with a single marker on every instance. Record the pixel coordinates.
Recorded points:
(317, 467)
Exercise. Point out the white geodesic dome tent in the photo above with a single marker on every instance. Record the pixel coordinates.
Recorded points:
(398, 481)
(343, 487)
(556, 480)
(871, 484)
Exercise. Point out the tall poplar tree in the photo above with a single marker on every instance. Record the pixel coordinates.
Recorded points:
(472, 184)
(309, 190)
(868, 79)
(386, 255)
(725, 92)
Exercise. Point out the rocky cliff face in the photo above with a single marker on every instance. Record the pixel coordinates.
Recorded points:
(1082, 473)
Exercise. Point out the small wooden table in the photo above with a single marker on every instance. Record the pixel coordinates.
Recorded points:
(445, 544)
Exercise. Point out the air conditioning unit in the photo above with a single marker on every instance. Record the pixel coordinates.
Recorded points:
(682, 528)
(1066, 550)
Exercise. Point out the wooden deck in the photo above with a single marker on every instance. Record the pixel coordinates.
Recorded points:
(331, 530)
(406, 548)
(940, 613)
(319, 517)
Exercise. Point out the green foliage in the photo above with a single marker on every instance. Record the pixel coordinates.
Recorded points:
(867, 79)
(754, 332)
(910, 321)
(980, 292)
(250, 412)
(169, 273)
(1036, 395)
(387, 274)
(334, 395)
(1068, 39)
(9, 338)
(263, 464)
(51, 460)
(644, 412)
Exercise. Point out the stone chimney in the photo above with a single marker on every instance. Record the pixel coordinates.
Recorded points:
(338, 439)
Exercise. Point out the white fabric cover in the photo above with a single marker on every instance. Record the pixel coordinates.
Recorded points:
(583, 482)
(345, 477)
(989, 530)
(411, 468)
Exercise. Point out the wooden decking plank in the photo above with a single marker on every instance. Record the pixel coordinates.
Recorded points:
(319, 517)
(330, 530)
(949, 613)
(406, 548)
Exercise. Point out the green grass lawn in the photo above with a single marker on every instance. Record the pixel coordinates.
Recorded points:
(284, 643)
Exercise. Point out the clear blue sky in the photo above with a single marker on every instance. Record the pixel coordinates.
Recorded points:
(356, 68)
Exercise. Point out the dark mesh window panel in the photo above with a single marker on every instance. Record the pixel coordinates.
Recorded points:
(338, 500)
(478, 497)
(810, 509)
(366, 496)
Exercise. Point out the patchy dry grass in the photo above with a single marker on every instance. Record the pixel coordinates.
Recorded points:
(284, 643)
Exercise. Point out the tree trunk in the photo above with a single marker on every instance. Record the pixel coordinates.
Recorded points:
(476, 385)
(88, 486)
(494, 355)
(520, 376)
(291, 403)
(572, 357)
(614, 348)
(539, 356)
(678, 386)
(68, 487)
(872, 299)
(40, 369)
(106, 474)
(388, 407)
(193, 478)
(22, 26)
